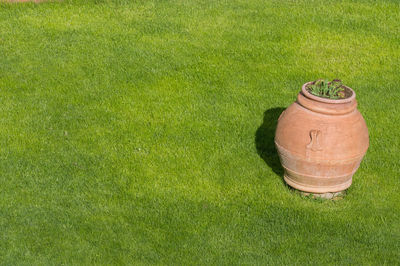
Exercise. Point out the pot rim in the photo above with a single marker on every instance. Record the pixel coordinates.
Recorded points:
(326, 100)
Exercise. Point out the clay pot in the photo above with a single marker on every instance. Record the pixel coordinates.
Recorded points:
(321, 142)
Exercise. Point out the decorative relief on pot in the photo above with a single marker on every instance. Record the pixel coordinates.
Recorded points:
(314, 144)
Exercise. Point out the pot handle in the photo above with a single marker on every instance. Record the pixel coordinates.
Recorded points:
(315, 136)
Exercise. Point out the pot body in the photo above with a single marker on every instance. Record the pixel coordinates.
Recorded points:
(321, 142)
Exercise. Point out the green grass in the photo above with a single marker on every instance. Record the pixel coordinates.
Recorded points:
(141, 132)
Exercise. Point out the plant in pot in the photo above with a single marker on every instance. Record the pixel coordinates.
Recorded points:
(321, 138)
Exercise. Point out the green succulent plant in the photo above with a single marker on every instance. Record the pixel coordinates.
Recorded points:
(323, 88)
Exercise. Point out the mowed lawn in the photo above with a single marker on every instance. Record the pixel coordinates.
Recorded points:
(141, 132)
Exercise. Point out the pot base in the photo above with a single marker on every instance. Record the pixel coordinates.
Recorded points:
(317, 189)
(330, 195)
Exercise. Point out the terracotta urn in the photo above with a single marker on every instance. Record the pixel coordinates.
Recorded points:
(321, 142)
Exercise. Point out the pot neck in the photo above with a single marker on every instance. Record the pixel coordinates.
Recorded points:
(326, 106)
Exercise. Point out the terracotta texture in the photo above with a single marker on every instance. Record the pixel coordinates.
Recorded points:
(321, 142)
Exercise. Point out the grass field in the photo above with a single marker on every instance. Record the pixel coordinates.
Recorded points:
(141, 132)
